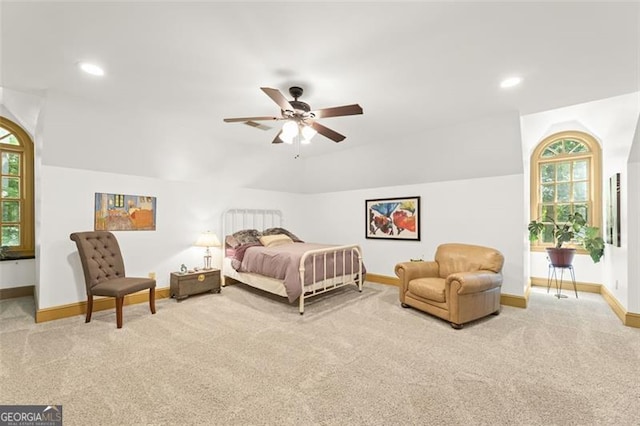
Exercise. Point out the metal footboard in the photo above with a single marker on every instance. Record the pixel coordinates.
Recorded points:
(340, 272)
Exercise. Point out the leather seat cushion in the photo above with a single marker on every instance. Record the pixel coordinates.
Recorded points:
(428, 288)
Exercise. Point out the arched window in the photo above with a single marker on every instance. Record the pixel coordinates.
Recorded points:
(565, 178)
(16, 198)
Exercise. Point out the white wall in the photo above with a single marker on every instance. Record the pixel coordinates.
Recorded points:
(633, 214)
(17, 273)
(613, 123)
(485, 211)
(633, 234)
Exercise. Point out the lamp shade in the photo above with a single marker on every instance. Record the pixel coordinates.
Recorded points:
(208, 239)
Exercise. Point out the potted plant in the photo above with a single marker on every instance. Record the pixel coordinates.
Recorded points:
(574, 229)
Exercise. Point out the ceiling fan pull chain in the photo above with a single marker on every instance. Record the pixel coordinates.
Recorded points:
(297, 148)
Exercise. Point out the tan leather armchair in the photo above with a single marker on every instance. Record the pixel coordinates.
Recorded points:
(462, 284)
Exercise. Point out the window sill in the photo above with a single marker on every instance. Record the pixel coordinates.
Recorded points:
(16, 256)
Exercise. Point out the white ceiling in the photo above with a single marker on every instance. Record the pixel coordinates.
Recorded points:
(181, 67)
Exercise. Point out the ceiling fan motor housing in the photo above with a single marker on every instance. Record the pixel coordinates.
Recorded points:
(297, 105)
(300, 106)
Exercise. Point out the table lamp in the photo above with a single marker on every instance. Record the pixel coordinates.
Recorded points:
(208, 239)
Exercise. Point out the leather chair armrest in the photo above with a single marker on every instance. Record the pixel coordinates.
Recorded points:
(408, 271)
(475, 282)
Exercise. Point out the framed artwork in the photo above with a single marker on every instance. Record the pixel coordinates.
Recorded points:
(613, 211)
(120, 212)
(393, 218)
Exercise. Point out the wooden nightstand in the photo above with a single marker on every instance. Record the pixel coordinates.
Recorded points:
(185, 285)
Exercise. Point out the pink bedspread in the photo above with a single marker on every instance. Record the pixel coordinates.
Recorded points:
(283, 262)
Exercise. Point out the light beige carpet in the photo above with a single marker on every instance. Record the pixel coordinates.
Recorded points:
(245, 358)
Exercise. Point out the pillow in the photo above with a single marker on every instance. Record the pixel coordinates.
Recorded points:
(247, 236)
(275, 231)
(230, 241)
(275, 240)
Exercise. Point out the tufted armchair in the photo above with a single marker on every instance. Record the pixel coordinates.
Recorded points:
(104, 271)
(462, 284)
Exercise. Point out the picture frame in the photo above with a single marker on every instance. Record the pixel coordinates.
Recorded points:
(121, 212)
(613, 231)
(393, 218)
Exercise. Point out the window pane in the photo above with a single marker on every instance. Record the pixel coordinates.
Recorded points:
(563, 172)
(563, 211)
(548, 211)
(547, 234)
(563, 192)
(7, 137)
(580, 148)
(10, 211)
(548, 153)
(553, 149)
(582, 209)
(10, 163)
(548, 193)
(10, 187)
(570, 144)
(580, 191)
(580, 170)
(10, 235)
(557, 147)
(547, 173)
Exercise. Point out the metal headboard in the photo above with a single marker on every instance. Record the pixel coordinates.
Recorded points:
(237, 219)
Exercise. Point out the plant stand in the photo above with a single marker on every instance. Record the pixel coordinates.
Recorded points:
(553, 276)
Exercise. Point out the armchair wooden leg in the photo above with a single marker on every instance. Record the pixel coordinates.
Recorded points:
(152, 300)
(119, 301)
(89, 308)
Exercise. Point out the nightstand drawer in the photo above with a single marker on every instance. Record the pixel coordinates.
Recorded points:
(185, 285)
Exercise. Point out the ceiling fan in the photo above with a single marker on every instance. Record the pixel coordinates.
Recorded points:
(300, 119)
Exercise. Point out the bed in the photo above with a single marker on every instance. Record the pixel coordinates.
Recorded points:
(287, 267)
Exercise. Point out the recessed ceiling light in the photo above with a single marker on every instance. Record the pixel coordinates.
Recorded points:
(91, 68)
(510, 82)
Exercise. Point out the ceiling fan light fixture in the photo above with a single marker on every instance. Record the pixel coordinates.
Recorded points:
(290, 129)
(298, 115)
(305, 141)
(308, 133)
(286, 139)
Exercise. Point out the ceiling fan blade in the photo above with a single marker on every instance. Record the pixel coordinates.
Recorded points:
(278, 98)
(277, 138)
(353, 109)
(327, 132)
(243, 119)
(257, 125)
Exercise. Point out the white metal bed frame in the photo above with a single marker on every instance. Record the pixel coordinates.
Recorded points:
(236, 219)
